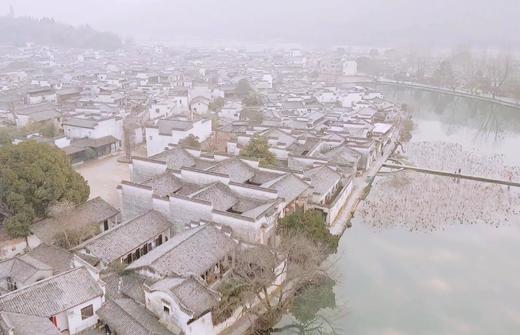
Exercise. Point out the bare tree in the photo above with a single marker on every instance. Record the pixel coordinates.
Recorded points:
(69, 237)
(270, 277)
(498, 71)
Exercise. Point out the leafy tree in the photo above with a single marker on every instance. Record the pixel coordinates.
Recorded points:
(252, 99)
(5, 136)
(243, 88)
(258, 148)
(47, 129)
(190, 141)
(34, 176)
(216, 104)
(255, 116)
(310, 224)
(407, 128)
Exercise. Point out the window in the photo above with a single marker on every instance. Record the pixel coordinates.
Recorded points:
(105, 225)
(166, 309)
(158, 240)
(11, 284)
(87, 312)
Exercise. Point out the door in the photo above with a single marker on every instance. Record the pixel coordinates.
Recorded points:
(54, 321)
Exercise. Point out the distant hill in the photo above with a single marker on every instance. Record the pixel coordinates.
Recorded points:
(20, 30)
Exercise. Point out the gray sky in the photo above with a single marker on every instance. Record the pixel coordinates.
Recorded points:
(315, 22)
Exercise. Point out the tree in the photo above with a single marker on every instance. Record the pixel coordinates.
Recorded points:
(252, 99)
(216, 104)
(272, 276)
(190, 141)
(5, 136)
(34, 176)
(444, 75)
(243, 88)
(406, 130)
(47, 129)
(498, 70)
(310, 224)
(258, 148)
(255, 116)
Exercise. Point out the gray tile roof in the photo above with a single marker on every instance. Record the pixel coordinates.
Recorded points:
(81, 123)
(90, 213)
(235, 168)
(123, 238)
(194, 296)
(341, 154)
(167, 126)
(322, 178)
(21, 268)
(164, 184)
(219, 195)
(193, 251)
(58, 259)
(52, 295)
(175, 158)
(126, 317)
(289, 186)
(22, 324)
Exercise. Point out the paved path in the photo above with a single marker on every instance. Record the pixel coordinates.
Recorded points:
(103, 176)
(451, 174)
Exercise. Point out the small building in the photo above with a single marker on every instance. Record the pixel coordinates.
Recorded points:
(171, 131)
(199, 105)
(126, 242)
(88, 219)
(69, 300)
(41, 95)
(37, 113)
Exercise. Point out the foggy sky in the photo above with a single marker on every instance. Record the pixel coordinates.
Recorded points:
(481, 23)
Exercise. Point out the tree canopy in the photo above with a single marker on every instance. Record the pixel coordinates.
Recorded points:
(258, 148)
(20, 30)
(310, 224)
(243, 88)
(190, 141)
(216, 104)
(252, 99)
(34, 176)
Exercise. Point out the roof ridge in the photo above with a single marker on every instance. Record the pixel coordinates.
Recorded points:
(25, 288)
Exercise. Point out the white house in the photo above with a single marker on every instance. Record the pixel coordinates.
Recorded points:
(161, 108)
(69, 300)
(350, 68)
(41, 95)
(231, 111)
(75, 128)
(37, 113)
(199, 105)
(168, 131)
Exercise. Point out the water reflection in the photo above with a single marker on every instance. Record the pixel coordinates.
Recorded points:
(460, 280)
(307, 315)
(478, 125)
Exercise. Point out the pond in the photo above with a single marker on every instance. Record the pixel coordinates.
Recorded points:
(462, 279)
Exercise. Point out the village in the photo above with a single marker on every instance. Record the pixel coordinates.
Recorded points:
(191, 157)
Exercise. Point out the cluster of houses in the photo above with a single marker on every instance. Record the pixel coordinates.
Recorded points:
(155, 264)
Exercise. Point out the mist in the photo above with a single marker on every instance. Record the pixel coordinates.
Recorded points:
(441, 23)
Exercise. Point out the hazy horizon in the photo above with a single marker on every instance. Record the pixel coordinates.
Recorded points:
(409, 23)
